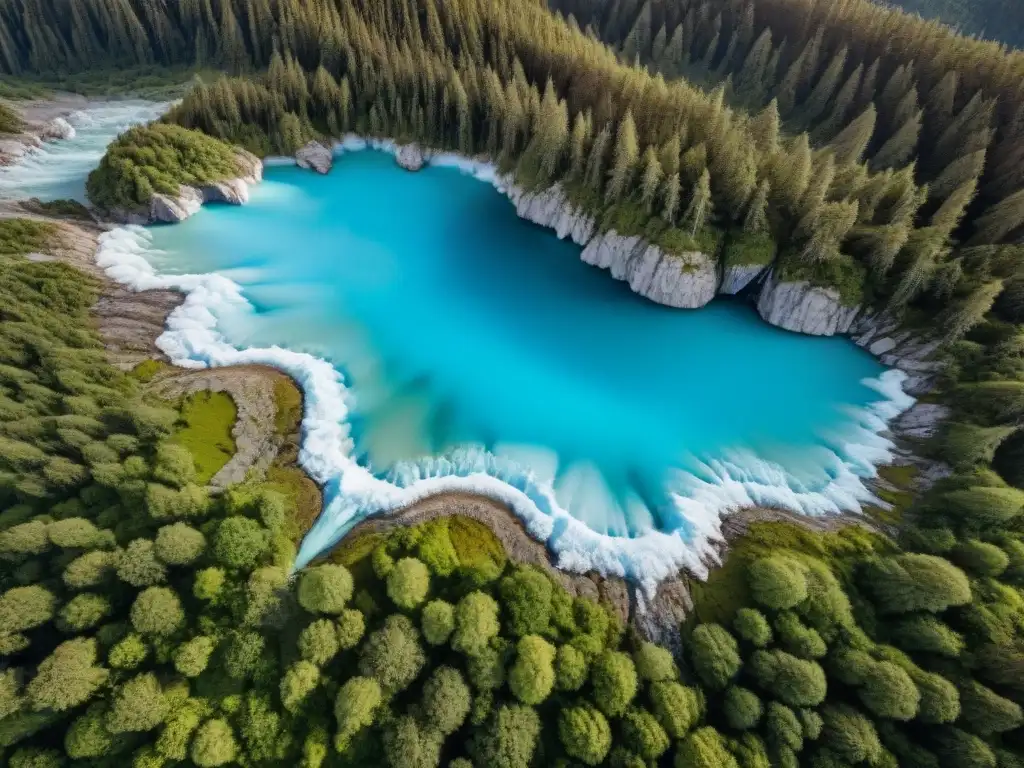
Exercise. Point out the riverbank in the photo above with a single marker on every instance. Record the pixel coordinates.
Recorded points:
(42, 120)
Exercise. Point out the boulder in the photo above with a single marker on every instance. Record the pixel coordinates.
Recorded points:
(686, 280)
(170, 209)
(410, 157)
(250, 166)
(230, 191)
(315, 156)
(57, 129)
(805, 308)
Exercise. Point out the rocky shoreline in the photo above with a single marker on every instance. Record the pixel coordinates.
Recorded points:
(44, 120)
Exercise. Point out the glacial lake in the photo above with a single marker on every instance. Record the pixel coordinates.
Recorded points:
(476, 346)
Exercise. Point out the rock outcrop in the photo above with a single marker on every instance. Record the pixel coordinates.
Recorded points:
(804, 308)
(314, 156)
(171, 209)
(687, 280)
(551, 208)
(882, 336)
(56, 130)
(735, 279)
(410, 157)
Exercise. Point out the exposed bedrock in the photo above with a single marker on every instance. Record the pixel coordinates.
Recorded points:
(551, 208)
(314, 156)
(804, 308)
(410, 157)
(171, 209)
(735, 279)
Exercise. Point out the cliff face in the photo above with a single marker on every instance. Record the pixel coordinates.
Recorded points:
(735, 279)
(804, 308)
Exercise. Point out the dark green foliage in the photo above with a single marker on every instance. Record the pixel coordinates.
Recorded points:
(526, 596)
(585, 734)
(715, 655)
(777, 582)
(157, 158)
(908, 583)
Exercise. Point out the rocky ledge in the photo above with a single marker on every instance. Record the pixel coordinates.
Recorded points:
(735, 279)
(171, 209)
(314, 156)
(411, 157)
(804, 308)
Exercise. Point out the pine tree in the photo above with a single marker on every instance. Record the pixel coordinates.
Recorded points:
(786, 94)
(851, 143)
(672, 60)
(921, 254)
(825, 229)
(595, 175)
(836, 119)
(966, 314)
(693, 163)
(899, 149)
(956, 174)
(650, 180)
(578, 144)
(670, 195)
(668, 156)
(1000, 220)
(659, 45)
(866, 94)
(627, 151)
(752, 80)
(764, 128)
(698, 212)
(638, 42)
(790, 173)
(756, 220)
(879, 245)
(947, 217)
(815, 104)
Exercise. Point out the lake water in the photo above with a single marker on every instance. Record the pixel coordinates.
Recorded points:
(472, 350)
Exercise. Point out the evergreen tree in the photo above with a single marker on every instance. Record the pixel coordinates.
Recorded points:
(626, 153)
(699, 209)
(851, 143)
(650, 180)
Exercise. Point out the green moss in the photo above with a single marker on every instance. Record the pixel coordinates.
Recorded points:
(10, 120)
(288, 400)
(207, 419)
(157, 158)
(475, 544)
(900, 499)
(842, 274)
(71, 209)
(302, 492)
(743, 249)
(21, 236)
(147, 370)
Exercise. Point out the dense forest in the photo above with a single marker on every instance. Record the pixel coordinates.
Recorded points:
(149, 622)
(995, 19)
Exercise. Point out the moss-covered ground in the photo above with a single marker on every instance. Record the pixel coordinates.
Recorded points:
(207, 419)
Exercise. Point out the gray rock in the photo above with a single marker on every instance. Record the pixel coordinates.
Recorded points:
(171, 210)
(231, 191)
(57, 129)
(410, 157)
(315, 156)
(921, 421)
(687, 280)
(804, 308)
(735, 279)
(551, 208)
(883, 345)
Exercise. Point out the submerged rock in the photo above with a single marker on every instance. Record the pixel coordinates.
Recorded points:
(735, 279)
(805, 308)
(316, 157)
(551, 208)
(686, 280)
(410, 157)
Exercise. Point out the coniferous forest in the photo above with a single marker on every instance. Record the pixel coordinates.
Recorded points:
(147, 622)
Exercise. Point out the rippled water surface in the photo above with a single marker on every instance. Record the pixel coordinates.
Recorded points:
(455, 323)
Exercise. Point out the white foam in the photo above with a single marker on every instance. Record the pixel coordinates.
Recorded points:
(352, 493)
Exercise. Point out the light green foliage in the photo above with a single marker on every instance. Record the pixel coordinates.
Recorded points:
(408, 583)
(137, 705)
(476, 622)
(850, 735)
(797, 638)
(508, 739)
(908, 583)
(174, 465)
(438, 621)
(742, 708)
(677, 707)
(392, 654)
(182, 722)
(704, 748)
(138, 564)
(30, 757)
(128, 652)
(26, 539)
(10, 690)
(715, 655)
(532, 676)
(75, 533)
(615, 683)
(406, 743)
(83, 611)
(191, 657)
(240, 542)
(924, 632)
(67, 677)
(208, 584)
(157, 158)
(777, 582)
(157, 611)
(23, 608)
(487, 669)
(446, 700)
(980, 558)
(318, 641)
(242, 653)
(751, 625)
(526, 600)
(584, 733)
(351, 626)
(986, 712)
(88, 737)
(654, 663)
(178, 544)
(325, 589)
(267, 597)
(354, 707)
(90, 569)
(888, 691)
(796, 682)
(940, 700)
(298, 682)
(571, 668)
(214, 744)
(643, 734)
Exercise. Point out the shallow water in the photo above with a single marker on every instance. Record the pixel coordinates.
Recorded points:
(60, 168)
(454, 323)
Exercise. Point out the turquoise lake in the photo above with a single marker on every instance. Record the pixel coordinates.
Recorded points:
(456, 323)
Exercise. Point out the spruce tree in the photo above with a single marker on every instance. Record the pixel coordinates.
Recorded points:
(699, 209)
(627, 151)
(956, 174)
(670, 196)
(900, 147)
(851, 143)
(650, 180)
(1000, 220)
(756, 219)
(764, 128)
(595, 176)
(818, 100)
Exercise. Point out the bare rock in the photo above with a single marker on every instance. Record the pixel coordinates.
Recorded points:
(171, 210)
(315, 156)
(250, 167)
(735, 279)
(686, 280)
(57, 129)
(551, 208)
(410, 157)
(921, 421)
(231, 191)
(805, 308)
